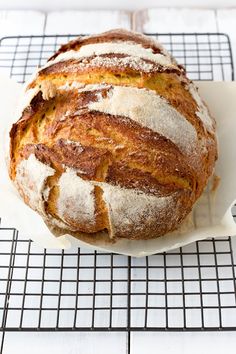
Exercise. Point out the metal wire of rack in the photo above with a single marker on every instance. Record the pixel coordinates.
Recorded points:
(192, 288)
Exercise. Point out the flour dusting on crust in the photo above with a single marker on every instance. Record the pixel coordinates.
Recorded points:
(131, 210)
(31, 176)
(202, 111)
(26, 98)
(70, 85)
(150, 110)
(132, 62)
(76, 200)
(127, 208)
(74, 144)
(127, 48)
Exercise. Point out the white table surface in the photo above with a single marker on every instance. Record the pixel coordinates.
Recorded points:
(160, 20)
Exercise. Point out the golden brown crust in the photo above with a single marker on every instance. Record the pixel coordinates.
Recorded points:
(110, 153)
(97, 132)
(167, 84)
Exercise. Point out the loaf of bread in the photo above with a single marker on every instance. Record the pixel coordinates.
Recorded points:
(114, 140)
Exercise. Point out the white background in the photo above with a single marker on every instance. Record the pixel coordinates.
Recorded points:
(111, 4)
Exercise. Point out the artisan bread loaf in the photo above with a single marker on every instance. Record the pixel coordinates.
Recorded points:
(114, 140)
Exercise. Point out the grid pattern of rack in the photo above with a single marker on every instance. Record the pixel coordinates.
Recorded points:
(191, 288)
(205, 56)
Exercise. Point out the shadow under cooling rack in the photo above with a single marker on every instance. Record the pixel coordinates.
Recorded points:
(191, 288)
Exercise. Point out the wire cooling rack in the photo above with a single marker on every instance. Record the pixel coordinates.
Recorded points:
(189, 289)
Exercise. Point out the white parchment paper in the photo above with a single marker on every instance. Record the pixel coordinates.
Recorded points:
(211, 216)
